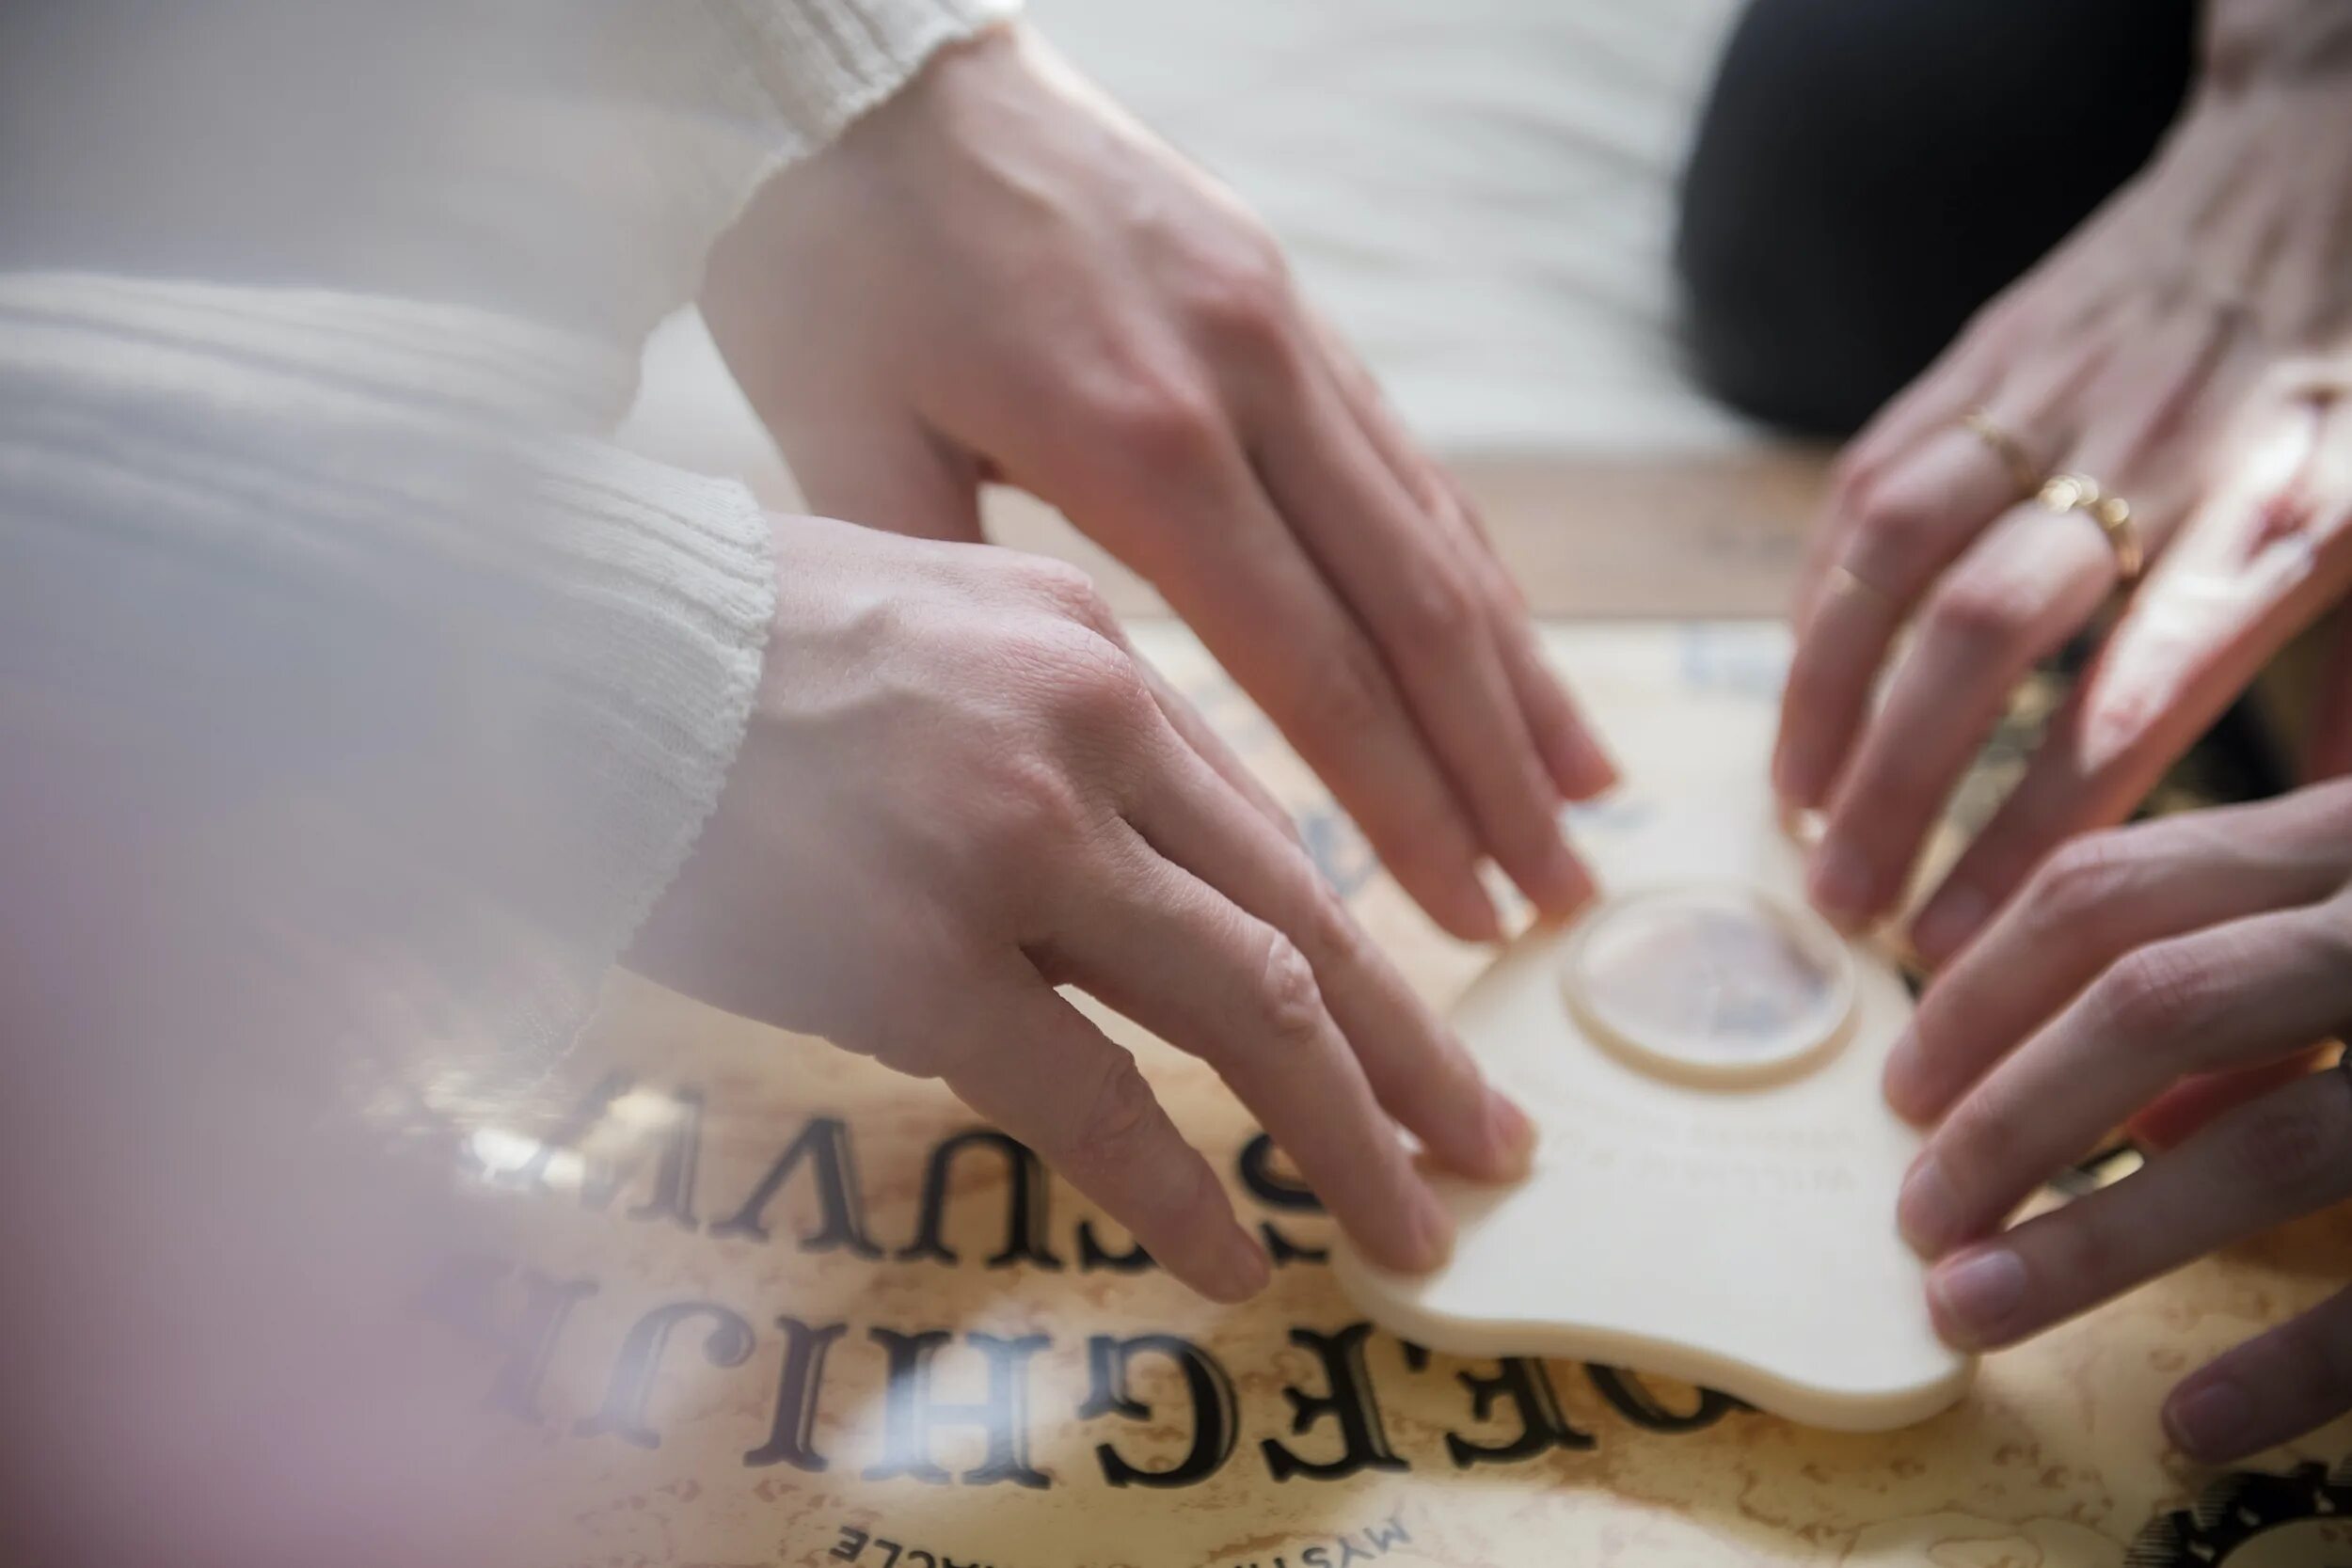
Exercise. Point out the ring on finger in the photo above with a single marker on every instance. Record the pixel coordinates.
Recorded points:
(2007, 447)
(2064, 493)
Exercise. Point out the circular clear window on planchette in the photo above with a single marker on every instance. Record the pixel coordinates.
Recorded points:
(1711, 985)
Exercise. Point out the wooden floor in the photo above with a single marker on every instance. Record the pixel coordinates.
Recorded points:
(1700, 538)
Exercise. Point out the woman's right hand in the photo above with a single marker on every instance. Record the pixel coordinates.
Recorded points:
(2190, 349)
(962, 789)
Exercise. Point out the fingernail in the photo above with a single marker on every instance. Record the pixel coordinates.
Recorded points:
(1946, 926)
(1903, 1080)
(1929, 1209)
(1975, 1294)
(1795, 781)
(1473, 916)
(1242, 1268)
(1511, 1135)
(1595, 772)
(1568, 884)
(1840, 883)
(2213, 1420)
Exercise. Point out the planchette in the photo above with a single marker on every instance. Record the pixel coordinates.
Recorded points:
(1713, 1198)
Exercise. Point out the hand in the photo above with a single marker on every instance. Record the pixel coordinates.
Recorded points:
(2188, 348)
(960, 790)
(998, 276)
(2137, 961)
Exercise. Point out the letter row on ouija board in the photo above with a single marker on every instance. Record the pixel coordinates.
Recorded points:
(525, 1312)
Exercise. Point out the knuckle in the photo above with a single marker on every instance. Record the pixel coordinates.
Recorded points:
(2331, 806)
(2160, 991)
(2317, 1355)
(1978, 1142)
(1118, 1113)
(1163, 423)
(1289, 999)
(1977, 615)
(1891, 523)
(1068, 589)
(2087, 1253)
(2322, 1359)
(1851, 477)
(1345, 697)
(1330, 925)
(1037, 808)
(919, 1048)
(2084, 875)
(2287, 1150)
(1093, 685)
(1437, 609)
(1244, 293)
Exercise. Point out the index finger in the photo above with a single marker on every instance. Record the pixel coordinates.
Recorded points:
(2234, 994)
(1080, 1100)
(2097, 900)
(1416, 584)
(1419, 1072)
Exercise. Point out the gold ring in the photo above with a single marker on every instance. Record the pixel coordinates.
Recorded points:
(2081, 493)
(2007, 447)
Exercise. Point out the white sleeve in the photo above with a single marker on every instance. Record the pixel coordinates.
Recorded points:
(825, 62)
(425, 692)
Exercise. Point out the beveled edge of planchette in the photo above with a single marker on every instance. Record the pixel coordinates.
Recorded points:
(1374, 1291)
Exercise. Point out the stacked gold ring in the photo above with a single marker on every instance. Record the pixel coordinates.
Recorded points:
(2063, 493)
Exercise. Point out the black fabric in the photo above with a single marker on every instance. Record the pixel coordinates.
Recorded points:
(1868, 172)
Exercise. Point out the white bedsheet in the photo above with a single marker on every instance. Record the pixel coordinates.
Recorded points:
(1480, 192)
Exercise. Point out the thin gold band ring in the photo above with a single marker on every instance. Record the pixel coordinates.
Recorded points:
(2007, 447)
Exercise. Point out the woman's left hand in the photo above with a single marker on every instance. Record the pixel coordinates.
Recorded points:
(2137, 961)
(996, 275)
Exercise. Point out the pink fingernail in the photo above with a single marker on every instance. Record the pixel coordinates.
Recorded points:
(1511, 1135)
(1840, 884)
(1595, 772)
(1473, 917)
(1929, 1209)
(1900, 1079)
(2213, 1420)
(1975, 1295)
(1795, 781)
(1242, 1268)
(1568, 885)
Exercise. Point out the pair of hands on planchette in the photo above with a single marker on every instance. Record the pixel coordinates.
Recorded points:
(961, 788)
(998, 277)
(2190, 349)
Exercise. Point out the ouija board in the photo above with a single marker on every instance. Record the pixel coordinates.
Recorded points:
(758, 1301)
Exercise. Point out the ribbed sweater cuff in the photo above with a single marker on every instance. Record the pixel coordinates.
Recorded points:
(826, 62)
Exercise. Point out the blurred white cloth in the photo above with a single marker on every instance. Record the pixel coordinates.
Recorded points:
(1479, 192)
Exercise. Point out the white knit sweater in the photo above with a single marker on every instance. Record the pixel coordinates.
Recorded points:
(334, 593)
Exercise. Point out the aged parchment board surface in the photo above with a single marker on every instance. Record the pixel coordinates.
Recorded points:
(758, 1302)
